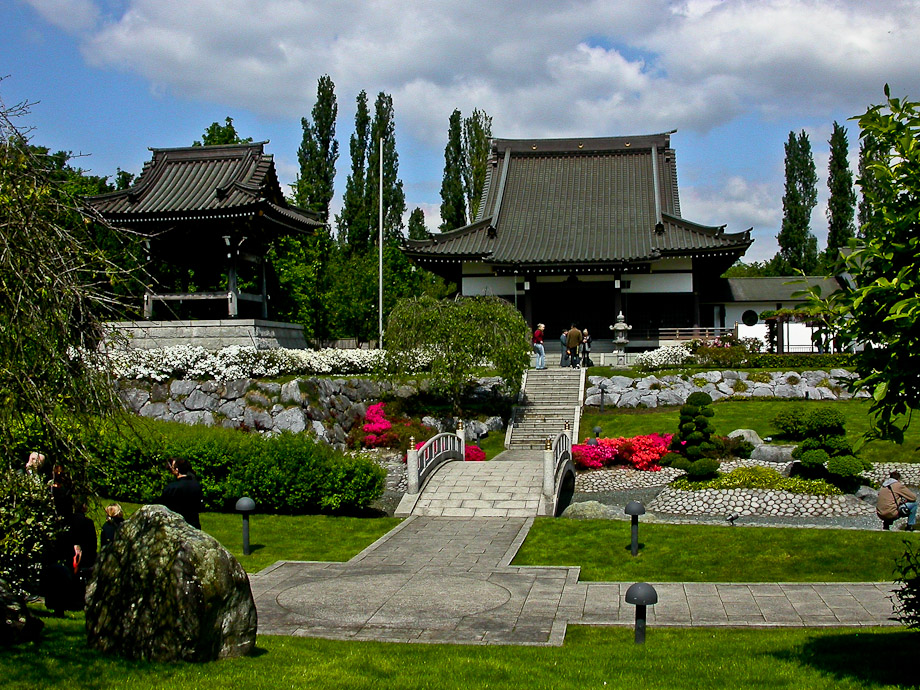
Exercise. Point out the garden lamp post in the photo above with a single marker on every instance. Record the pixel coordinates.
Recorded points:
(603, 387)
(641, 594)
(635, 509)
(245, 506)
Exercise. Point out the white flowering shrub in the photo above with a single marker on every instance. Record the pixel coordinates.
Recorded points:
(235, 362)
(669, 356)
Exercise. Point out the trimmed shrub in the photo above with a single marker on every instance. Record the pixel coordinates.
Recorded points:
(845, 466)
(824, 422)
(28, 527)
(837, 445)
(811, 459)
(703, 469)
(759, 478)
(803, 361)
(907, 567)
(791, 422)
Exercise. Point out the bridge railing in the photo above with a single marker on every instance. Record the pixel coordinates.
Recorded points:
(556, 452)
(421, 462)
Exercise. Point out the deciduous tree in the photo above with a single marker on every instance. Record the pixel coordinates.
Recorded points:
(841, 205)
(352, 223)
(477, 136)
(318, 153)
(383, 128)
(221, 134)
(453, 202)
(417, 229)
(798, 246)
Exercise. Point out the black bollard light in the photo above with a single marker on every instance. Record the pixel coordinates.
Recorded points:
(245, 506)
(641, 594)
(603, 388)
(635, 509)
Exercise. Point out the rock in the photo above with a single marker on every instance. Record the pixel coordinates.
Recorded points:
(270, 388)
(201, 401)
(134, 398)
(867, 494)
(588, 510)
(436, 424)
(19, 625)
(767, 453)
(235, 389)
(473, 430)
(291, 419)
(257, 419)
(196, 417)
(290, 392)
(155, 410)
(495, 424)
(318, 429)
(181, 387)
(748, 435)
(165, 591)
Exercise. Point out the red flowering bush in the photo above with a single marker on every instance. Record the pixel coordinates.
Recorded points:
(382, 431)
(472, 454)
(640, 452)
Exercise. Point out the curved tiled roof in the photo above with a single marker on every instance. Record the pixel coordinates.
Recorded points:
(580, 202)
(204, 182)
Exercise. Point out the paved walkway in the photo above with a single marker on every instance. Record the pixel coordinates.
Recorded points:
(450, 580)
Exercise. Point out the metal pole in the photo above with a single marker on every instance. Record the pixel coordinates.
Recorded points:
(245, 534)
(640, 623)
(635, 535)
(380, 242)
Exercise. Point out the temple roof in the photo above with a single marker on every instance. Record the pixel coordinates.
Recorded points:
(605, 201)
(771, 289)
(205, 183)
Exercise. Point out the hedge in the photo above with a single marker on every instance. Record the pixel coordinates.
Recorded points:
(803, 360)
(287, 473)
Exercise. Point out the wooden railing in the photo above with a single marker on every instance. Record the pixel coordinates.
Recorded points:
(440, 448)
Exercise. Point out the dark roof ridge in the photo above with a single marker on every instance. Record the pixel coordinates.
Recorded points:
(714, 230)
(585, 144)
(435, 238)
(209, 151)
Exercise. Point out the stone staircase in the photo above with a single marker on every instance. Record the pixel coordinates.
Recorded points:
(551, 397)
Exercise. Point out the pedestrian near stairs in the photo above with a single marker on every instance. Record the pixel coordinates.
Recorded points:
(574, 340)
(538, 346)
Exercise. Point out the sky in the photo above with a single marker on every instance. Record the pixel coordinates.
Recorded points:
(107, 79)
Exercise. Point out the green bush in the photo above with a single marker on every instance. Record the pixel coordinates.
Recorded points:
(907, 567)
(699, 399)
(28, 526)
(844, 466)
(759, 478)
(811, 459)
(807, 444)
(287, 473)
(703, 468)
(791, 422)
(837, 445)
(824, 421)
(802, 361)
(681, 463)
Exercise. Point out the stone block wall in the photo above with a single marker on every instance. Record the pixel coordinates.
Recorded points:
(211, 334)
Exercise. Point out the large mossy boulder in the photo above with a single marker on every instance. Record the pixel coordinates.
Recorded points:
(165, 591)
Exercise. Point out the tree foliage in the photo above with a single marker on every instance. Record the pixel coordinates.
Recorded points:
(477, 136)
(318, 153)
(881, 309)
(841, 205)
(460, 334)
(383, 127)
(417, 228)
(453, 200)
(353, 220)
(798, 246)
(221, 134)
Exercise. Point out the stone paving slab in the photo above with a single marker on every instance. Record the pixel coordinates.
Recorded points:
(450, 581)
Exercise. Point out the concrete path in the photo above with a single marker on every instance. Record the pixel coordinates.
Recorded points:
(450, 580)
(509, 489)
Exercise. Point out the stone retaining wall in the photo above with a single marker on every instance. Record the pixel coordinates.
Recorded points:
(326, 408)
(654, 391)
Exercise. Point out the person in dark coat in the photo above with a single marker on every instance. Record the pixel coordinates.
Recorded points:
(64, 578)
(113, 519)
(183, 494)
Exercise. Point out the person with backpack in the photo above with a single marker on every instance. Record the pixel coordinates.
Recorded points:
(896, 500)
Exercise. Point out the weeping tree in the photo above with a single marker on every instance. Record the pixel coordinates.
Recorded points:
(55, 288)
(459, 335)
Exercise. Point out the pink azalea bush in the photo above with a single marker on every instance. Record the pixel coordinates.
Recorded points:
(375, 424)
(640, 452)
(383, 430)
(472, 454)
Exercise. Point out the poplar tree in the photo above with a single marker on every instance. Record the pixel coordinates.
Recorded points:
(352, 221)
(417, 229)
(394, 199)
(318, 152)
(477, 137)
(842, 202)
(453, 202)
(868, 155)
(798, 246)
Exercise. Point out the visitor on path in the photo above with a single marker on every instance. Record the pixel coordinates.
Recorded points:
(73, 555)
(183, 494)
(564, 339)
(896, 500)
(114, 516)
(573, 341)
(538, 346)
(586, 348)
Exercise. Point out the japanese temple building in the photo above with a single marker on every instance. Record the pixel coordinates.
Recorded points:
(581, 229)
(208, 215)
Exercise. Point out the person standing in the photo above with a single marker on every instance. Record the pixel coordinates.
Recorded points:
(573, 342)
(586, 348)
(183, 494)
(114, 516)
(896, 500)
(538, 346)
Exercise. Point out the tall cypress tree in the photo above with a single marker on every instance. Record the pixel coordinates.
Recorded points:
(453, 203)
(798, 247)
(318, 152)
(842, 202)
(394, 199)
(417, 229)
(352, 221)
(477, 137)
(868, 180)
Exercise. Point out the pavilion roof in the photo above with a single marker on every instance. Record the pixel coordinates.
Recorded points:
(205, 183)
(580, 202)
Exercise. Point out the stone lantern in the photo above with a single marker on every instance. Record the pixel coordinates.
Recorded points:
(620, 329)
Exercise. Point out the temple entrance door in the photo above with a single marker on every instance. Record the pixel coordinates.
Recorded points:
(560, 304)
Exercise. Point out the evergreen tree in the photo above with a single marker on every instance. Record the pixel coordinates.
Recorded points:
(394, 199)
(842, 202)
(352, 221)
(477, 136)
(417, 229)
(798, 246)
(453, 203)
(221, 134)
(318, 153)
(868, 181)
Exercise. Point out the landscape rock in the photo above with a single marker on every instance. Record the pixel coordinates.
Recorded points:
(201, 401)
(236, 389)
(291, 419)
(748, 435)
(588, 510)
(164, 591)
(19, 625)
(181, 387)
(778, 454)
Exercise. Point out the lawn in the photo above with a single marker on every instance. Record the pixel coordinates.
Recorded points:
(711, 553)
(590, 658)
(752, 414)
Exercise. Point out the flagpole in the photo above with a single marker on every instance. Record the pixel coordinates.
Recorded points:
(380, 262)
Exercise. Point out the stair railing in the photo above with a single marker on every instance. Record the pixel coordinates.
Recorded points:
(421, 462)
(555, 453)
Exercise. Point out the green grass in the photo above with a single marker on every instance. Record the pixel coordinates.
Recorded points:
(286, 537)
(590, 658)
(493, 444)
(709, 553)
(756, 415)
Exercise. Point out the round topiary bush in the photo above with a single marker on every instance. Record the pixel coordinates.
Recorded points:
(837, 445)
(704, 468)
(844, 466)
(824, 421)
(791, 422)
(812, 459)
(699, 399)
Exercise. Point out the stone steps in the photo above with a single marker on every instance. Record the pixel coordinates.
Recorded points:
(551, 397)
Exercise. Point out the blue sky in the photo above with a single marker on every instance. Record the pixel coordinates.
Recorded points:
(110, 78)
